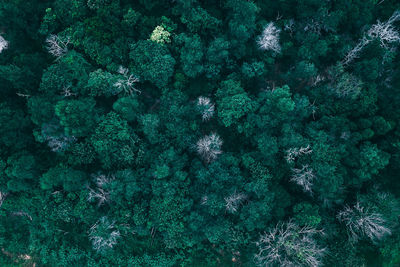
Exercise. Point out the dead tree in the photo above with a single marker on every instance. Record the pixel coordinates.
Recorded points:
(361, 222)
(285, 242)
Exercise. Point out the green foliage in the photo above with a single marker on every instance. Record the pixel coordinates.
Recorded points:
(152, 62)
(77, 116)
(164, 136)
(22, 171)
(114, 141)
(232, 102)
(68, 178)
(192, 55)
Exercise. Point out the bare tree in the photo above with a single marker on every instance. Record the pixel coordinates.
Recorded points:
(53, 133)
(289, 26)
(384, 32)
(233, 202)
(303, 177)
(205, 107)
(209, 147)
(66, 91)
(126, 84)
(2, 197)
(3, 44)
(355, 51)
(60, 143)
(204, 200)
(269, 39)
(362, 222)
(103, 235)
(57, 46)
(100, 193)
(289, 245)
(293, 153)
(347, 85)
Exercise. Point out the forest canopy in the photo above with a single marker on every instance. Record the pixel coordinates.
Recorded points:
(200, 133)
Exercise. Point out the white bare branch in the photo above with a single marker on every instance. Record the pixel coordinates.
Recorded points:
(382, 31)
(2, 197)
(209, 147)
(304, 177)
(284, 244)
(103, 235)
(126, 84)
(293, 153)
(233, 202)
(269, 39)
(205, 107)
(3, 44)
(362, 222)
(57, 46)
(100, 194)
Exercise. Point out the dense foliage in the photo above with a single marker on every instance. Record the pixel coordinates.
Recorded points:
(199, 133)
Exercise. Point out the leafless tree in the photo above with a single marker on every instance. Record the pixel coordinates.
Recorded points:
(204, 200)
(382, 31)
(385, 32)
(206, 108)
(347, 85)
(2, 197)
(314, 81)
(355, 51)
(103, 235)
(209, 147)
(289, 26)
(3, 44)
(126, 84)
(293, 153)
(57, 46)
(362, 222)
(303, 177)
(60, 143)
(289, 245)
(53, 133)
(233, 202)
(66, 91)
(269, 39)
(100, 193)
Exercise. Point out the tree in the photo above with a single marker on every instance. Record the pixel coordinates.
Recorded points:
(269, 39)
(152, 62)
(126, 84)
(232, 102)
(101, 193)
(209, 147)
(103, 235)
(61, 175)
(233, 201)
(385, 33)
(3, 44)
(361, 222)
(205, 107)
(114, 141)
(160, 35)
(303, 177)
(289, 245)
(57, 46)
(22, 171)
(77, 116)
(192, 55)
